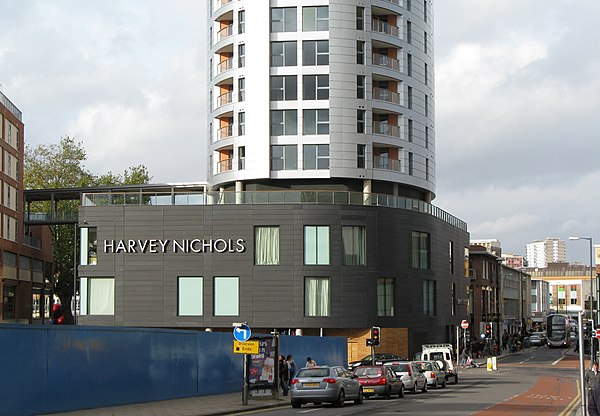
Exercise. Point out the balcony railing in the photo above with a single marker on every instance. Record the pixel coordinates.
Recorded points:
(385, 28)
(225, 132)
(386, 61)
(32, 242)
(225, 65)
(386, 129)
(269, 198)
(226, 98)
(386, 163)
(221, 3)
(224, 33)
(386, 95)
(224, 165)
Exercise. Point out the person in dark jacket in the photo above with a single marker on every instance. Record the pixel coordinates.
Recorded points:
(594, 402)
(284, 374)
(592, 378)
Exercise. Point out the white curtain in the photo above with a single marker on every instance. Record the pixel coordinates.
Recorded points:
(102, 296)
(267, 246)
(355, 246)
(317, 296)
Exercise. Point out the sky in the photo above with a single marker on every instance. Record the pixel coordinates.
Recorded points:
(517, 101)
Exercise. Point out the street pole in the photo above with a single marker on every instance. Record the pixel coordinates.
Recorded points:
(581, 374)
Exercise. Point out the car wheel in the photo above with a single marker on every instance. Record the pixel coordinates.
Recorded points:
(435, 385)
(415, 390)
(455, 378)
(401, 392)
(360, 398)
(444, 383)
(388, 393)
(340, 400)
(296, 404)
(424, 389)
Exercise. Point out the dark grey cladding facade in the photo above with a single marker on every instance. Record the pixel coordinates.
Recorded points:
(273, 296)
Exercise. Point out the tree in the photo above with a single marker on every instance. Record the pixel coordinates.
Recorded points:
(61, 165)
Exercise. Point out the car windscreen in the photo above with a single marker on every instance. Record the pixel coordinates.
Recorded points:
(313, 372)
(368, 372)
(435, 356)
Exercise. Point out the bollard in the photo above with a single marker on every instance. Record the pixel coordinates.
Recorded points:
(489, 364)
(494, 364)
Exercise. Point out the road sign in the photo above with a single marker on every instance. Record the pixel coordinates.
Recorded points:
(464, 324)
(242, 333)
(597, 333)
(248, 347)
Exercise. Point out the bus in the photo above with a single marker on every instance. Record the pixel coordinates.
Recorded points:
(557, 331)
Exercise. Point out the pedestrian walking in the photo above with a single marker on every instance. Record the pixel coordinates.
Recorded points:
(310, 362)
(284, 375)
(292, 366)
(592, 378)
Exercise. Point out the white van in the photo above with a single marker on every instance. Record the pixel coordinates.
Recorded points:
(443, 353)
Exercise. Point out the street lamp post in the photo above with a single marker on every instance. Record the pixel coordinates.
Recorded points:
(592, 355)
(591, 274)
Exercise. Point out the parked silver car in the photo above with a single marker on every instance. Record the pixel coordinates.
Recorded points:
(331, 384)
(410, 374)
(535, 340)
(436, 376)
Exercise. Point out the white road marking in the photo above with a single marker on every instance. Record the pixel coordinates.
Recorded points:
(310, 410)
(557, 361)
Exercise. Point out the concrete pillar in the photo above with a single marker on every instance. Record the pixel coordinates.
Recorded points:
(239, 189)
(367, 191)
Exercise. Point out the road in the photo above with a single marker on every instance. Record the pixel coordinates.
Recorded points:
(540, 381)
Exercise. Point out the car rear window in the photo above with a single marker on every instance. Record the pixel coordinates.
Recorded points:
(313, 372)
(368, 372)
(400, 368)
(424, 365)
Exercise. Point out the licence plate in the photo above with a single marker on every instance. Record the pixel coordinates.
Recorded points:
(311, 384)
(368, 390)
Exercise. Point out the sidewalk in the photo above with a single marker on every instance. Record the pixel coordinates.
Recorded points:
(222, 404)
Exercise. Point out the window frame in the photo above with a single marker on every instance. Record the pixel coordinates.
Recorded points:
(284, 121)
(321, 157)
(229, 297)
(289, 54)
(314, 54)
(385, 296)
(321, 121)
(285, 11)
(318, 305)
(317, 237)
(312, 21)
(264, 250)
(198, 310)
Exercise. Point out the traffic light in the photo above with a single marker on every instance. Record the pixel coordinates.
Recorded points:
(375, 336)
(488, 329)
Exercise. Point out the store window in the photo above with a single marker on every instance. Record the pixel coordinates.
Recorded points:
(88, 246)
(316, 296)
(316, 245)
(385, 296)
(226, 298)
(354, 245)
(266, 245)
(189, 296)
(97, 296)
(420, 250)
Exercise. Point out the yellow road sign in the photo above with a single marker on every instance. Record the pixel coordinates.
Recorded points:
(248, 347)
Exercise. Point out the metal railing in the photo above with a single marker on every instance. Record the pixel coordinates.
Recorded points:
(225, 132)
(386, 61)
(225, 98)
(385, 28)
(224, 33)
(225, 65)
(11, 107)
(386, 95)
(225, 165)
(32, 242)
(386, 129)
(270, 198)
(387, 164)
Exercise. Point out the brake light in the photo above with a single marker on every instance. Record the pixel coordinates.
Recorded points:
(382, 380)
(409, 371)
(295, 380)
(432, 374)
(329, 380)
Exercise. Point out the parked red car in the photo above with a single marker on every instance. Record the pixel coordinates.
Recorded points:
(379, 380)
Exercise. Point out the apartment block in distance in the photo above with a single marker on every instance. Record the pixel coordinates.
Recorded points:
(317, 218)
(541, 252)
(25, 256)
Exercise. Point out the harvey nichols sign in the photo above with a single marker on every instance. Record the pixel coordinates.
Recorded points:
(196, 245)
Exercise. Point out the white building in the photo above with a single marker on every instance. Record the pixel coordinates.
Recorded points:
(310, 92)
(541, 252)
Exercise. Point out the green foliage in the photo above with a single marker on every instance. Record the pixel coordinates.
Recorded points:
(62, 165)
